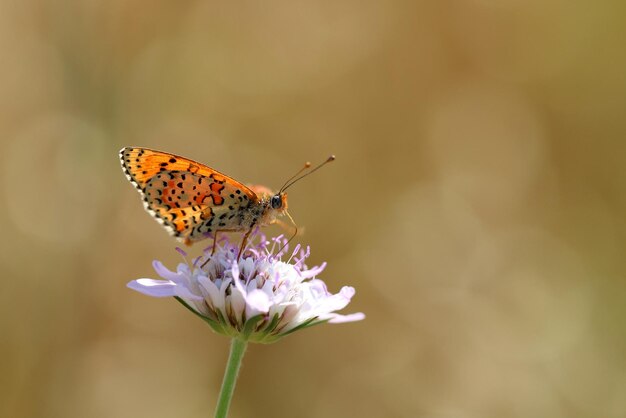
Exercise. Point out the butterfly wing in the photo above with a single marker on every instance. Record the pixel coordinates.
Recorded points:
(189, 199)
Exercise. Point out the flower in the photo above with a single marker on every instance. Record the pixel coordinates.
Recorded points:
(259, 297)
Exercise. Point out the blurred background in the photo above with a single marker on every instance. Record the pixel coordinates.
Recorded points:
(477, 203)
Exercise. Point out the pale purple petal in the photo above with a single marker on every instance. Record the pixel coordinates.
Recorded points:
(155, 288)
(290, 312)
(214, 298)
(340, 319)
(237, 303)
(307, 274)
(347, 292)
(165, 272)
(318, 287)
(247, 267)
(185, 293)
(258, 300)
(234, 268)
(338, 301)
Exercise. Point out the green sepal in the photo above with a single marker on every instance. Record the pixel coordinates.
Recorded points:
(217, 327)
(306, 324)
(248, 327)
(271, 326)
(228, 329)
(264, 334)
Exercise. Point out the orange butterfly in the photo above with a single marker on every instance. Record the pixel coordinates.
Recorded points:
(193, 201)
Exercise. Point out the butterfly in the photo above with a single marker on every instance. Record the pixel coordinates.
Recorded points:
(193, 201)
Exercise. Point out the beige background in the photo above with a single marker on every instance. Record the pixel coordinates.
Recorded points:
(477, 203)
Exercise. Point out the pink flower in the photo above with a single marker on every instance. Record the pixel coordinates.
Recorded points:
(260, 298)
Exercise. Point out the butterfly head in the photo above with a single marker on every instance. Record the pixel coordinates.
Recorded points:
(270, 199)
(279, 201)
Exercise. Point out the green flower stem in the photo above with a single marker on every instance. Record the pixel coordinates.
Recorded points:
(237, 350)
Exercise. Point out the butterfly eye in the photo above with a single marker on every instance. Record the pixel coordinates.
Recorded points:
(276, 202)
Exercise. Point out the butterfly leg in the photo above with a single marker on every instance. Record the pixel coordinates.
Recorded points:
(212, 250)
(245, 240)
(214, 243)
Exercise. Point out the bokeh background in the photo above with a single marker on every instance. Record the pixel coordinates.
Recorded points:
(477, 204)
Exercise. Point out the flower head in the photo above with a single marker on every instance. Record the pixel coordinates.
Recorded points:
(259, 297)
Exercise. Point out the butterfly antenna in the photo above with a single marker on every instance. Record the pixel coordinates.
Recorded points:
(290, 182)
(307, 165)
